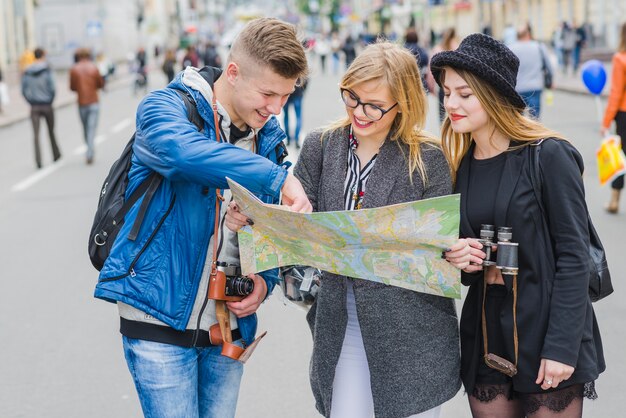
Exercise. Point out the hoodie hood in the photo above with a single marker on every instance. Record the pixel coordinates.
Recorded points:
(38, 84)
(37, 68)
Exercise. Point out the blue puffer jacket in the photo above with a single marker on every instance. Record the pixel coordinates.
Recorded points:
(160, 271)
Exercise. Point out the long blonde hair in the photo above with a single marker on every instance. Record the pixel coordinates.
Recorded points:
(503, 116)
(396, 67)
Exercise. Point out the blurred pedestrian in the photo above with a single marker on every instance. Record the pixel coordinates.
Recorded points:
(4, 93)
(212, 57)
(581, 42)
(141, 58)
(557, 44)
(38, 89)
(411, 42)
(140, 66)
(85, 80)
(295, 101)
(448, 42)
(378, 155)
(530, 345)
(349, 50)
(509, 34)
(104, 67)
(335, 47)
(322, 49)
(190, 58)
(532, 57)
(26, 59)
(169, 64)
(616, 111)
(568, 42)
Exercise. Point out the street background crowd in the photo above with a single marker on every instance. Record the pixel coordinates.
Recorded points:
(329, 53)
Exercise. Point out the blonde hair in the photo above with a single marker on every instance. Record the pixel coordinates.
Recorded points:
(397, 69)
(272, 43)
(504, 117)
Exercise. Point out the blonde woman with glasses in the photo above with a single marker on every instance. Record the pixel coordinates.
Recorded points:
(377, 349)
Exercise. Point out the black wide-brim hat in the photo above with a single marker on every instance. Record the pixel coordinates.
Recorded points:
(486, 58)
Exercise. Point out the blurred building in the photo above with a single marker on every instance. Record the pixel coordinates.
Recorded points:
(116, 28)
(603, 16)
(17, 30)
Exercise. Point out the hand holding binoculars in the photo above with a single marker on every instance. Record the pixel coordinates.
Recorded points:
(506, 251)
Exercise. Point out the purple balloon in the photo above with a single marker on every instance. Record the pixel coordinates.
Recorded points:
(594, 76)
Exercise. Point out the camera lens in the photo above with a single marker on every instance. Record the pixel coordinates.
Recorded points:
(239, 286)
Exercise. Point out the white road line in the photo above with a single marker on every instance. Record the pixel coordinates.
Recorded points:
(36, 177)
(120, 125)
(45, 172)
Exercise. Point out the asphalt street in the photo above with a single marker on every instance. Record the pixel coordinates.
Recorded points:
(61, 349)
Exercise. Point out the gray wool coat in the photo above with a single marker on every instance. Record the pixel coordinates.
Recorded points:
(411, 339)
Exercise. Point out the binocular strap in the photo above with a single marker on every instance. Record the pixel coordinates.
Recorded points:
(494, 361)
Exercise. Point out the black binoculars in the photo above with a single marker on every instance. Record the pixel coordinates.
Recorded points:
(506, 259)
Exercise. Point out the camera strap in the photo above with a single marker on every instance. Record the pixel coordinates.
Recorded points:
(492, 360)
(221, 333)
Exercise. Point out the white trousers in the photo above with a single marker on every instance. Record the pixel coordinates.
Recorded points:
(352, 393)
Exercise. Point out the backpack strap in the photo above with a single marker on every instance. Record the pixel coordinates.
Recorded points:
(192, 110)
(150, 185)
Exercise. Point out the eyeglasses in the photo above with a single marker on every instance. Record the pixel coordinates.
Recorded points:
(372, 112)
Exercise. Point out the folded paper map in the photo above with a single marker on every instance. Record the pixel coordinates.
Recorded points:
(399, 245)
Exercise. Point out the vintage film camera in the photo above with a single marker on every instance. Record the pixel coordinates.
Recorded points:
(506, 254)
(228, 284)
(300, 285)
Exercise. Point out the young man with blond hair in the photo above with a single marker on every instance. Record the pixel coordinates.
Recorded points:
(160, 280)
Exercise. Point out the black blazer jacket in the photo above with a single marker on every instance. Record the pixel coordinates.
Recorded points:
(555, 317)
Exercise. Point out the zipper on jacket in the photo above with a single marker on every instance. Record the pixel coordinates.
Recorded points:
(131, 271)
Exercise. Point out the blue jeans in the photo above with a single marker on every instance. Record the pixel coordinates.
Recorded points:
(89, 118)
(297, 106)
(533, 101)
(181, 382)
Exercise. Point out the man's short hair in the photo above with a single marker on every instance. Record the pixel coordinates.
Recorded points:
(83, 53)
(271, 42)
(411, 36)
(39, 53)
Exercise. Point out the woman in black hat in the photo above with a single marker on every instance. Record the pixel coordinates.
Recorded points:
(542, 327)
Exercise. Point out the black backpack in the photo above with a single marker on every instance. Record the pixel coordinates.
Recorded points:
(112, 204)
(600, 285)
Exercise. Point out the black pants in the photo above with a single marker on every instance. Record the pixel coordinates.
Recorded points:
(36, 112)
(620, 128)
